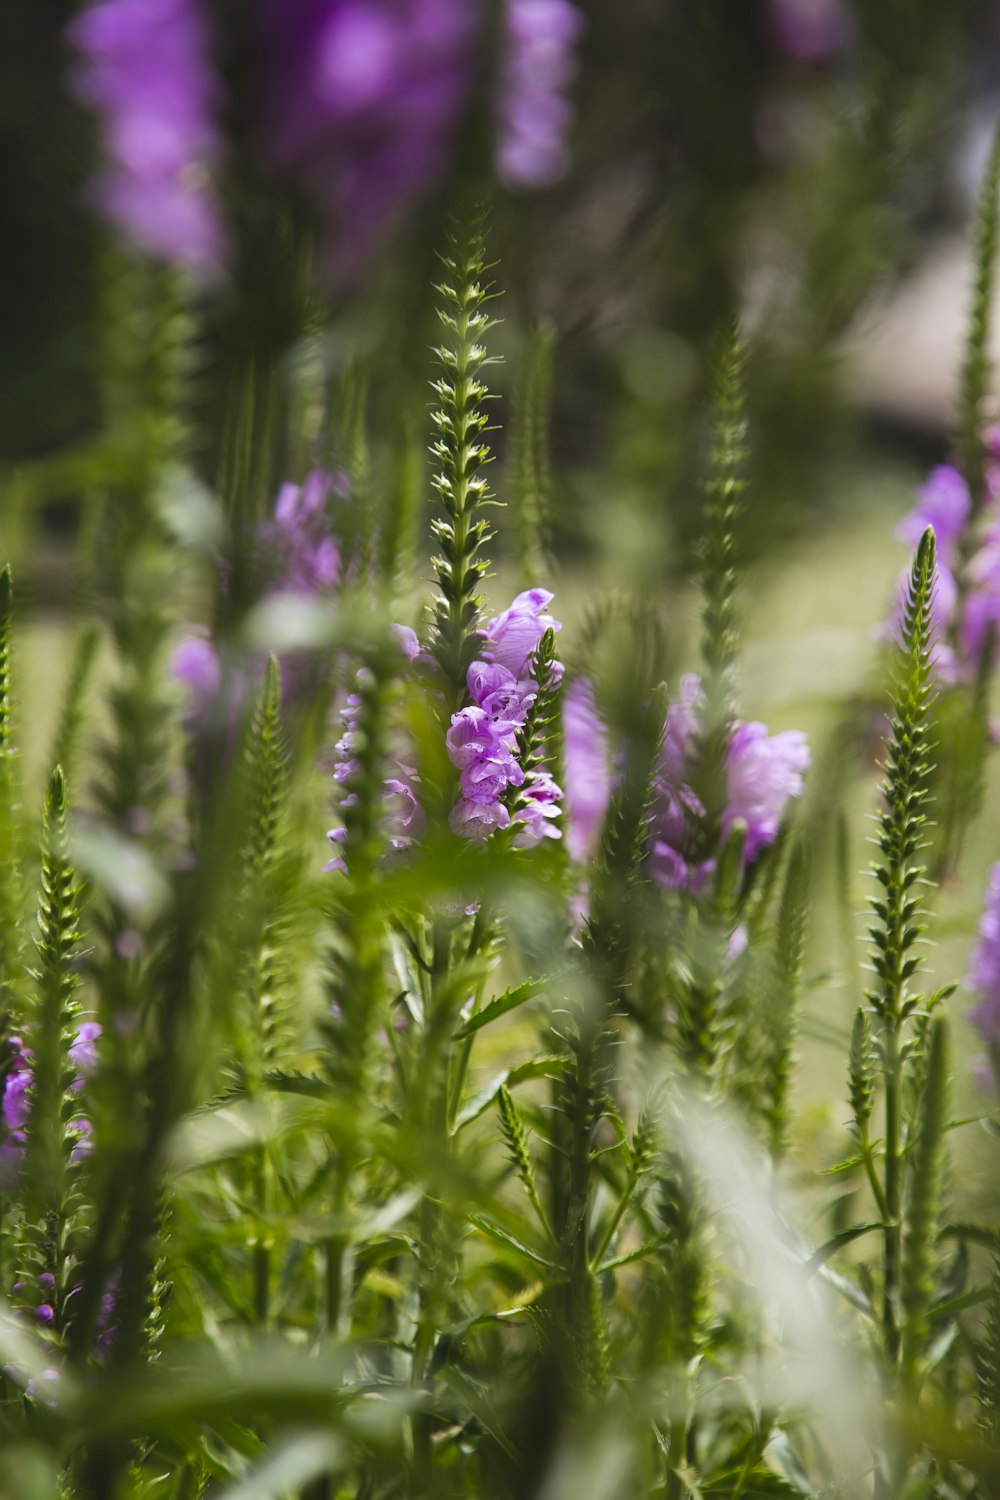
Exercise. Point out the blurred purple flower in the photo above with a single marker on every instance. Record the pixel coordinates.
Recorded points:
(984, 976)
(361, 99)
(811, 31)
(17, 1085)
(195, 664)
(943, 503)
(402, 813)
(961, 617)
(83, 1052)
(588, 775)
(984, 979)
(144, 67)
(762, 773)
(539, 63)
(301, 554)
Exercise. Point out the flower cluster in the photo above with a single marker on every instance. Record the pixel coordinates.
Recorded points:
(15, 1099)
(144, 67)
(984, 977)
(963, 615)
(361, 99)
(762, 772)
(484, 741)
(298, 555)
(298, 547)
(534, 115)
(402, 813)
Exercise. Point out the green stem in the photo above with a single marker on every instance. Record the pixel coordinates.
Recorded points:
(893, 1189)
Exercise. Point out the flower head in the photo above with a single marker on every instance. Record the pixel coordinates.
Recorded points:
(943, 503)
(539, 39)
(361, 100)
(144, 67)
(302, 555)
(763, 772)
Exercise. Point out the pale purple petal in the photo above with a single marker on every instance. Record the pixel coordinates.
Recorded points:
(587, 769)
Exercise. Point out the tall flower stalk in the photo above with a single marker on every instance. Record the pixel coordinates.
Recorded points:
(909, 1187)
(460, 421)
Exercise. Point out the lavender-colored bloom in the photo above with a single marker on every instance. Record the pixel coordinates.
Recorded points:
(301, 553)
(984, 977)
(408, 641)
(144, 67)
(539, 806)
(83, 1052)
(17, 1085)
(981, 606)
(762, 773)
(195, 663)
(402, 814)
(539, 63)
(682, 726)
(482, 742)
(511, 637)
(500, 694)
(80, 1132)
(588, 775)
(944, 504)
(361, 100)
(477, 820)
(474, 736)
(811, 31)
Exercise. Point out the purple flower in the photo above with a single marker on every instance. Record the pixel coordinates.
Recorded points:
(482, 742)
(361, 100)
(539, 805)
(83, 1052)
(301, 554)
(80, 1132)
(540, 39)
(144, 68)
(984, 977)
(762, 772)
(510, 638)
(477, 820)
(16, 1090)
(588, 775)
(474, 736)
(944, 504)
(402, 814)
(195, 663)
(810, 31)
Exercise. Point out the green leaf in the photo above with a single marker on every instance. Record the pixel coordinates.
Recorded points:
(508, 1001)
(822, 1255)
(289, 1466)
(504, 1237)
